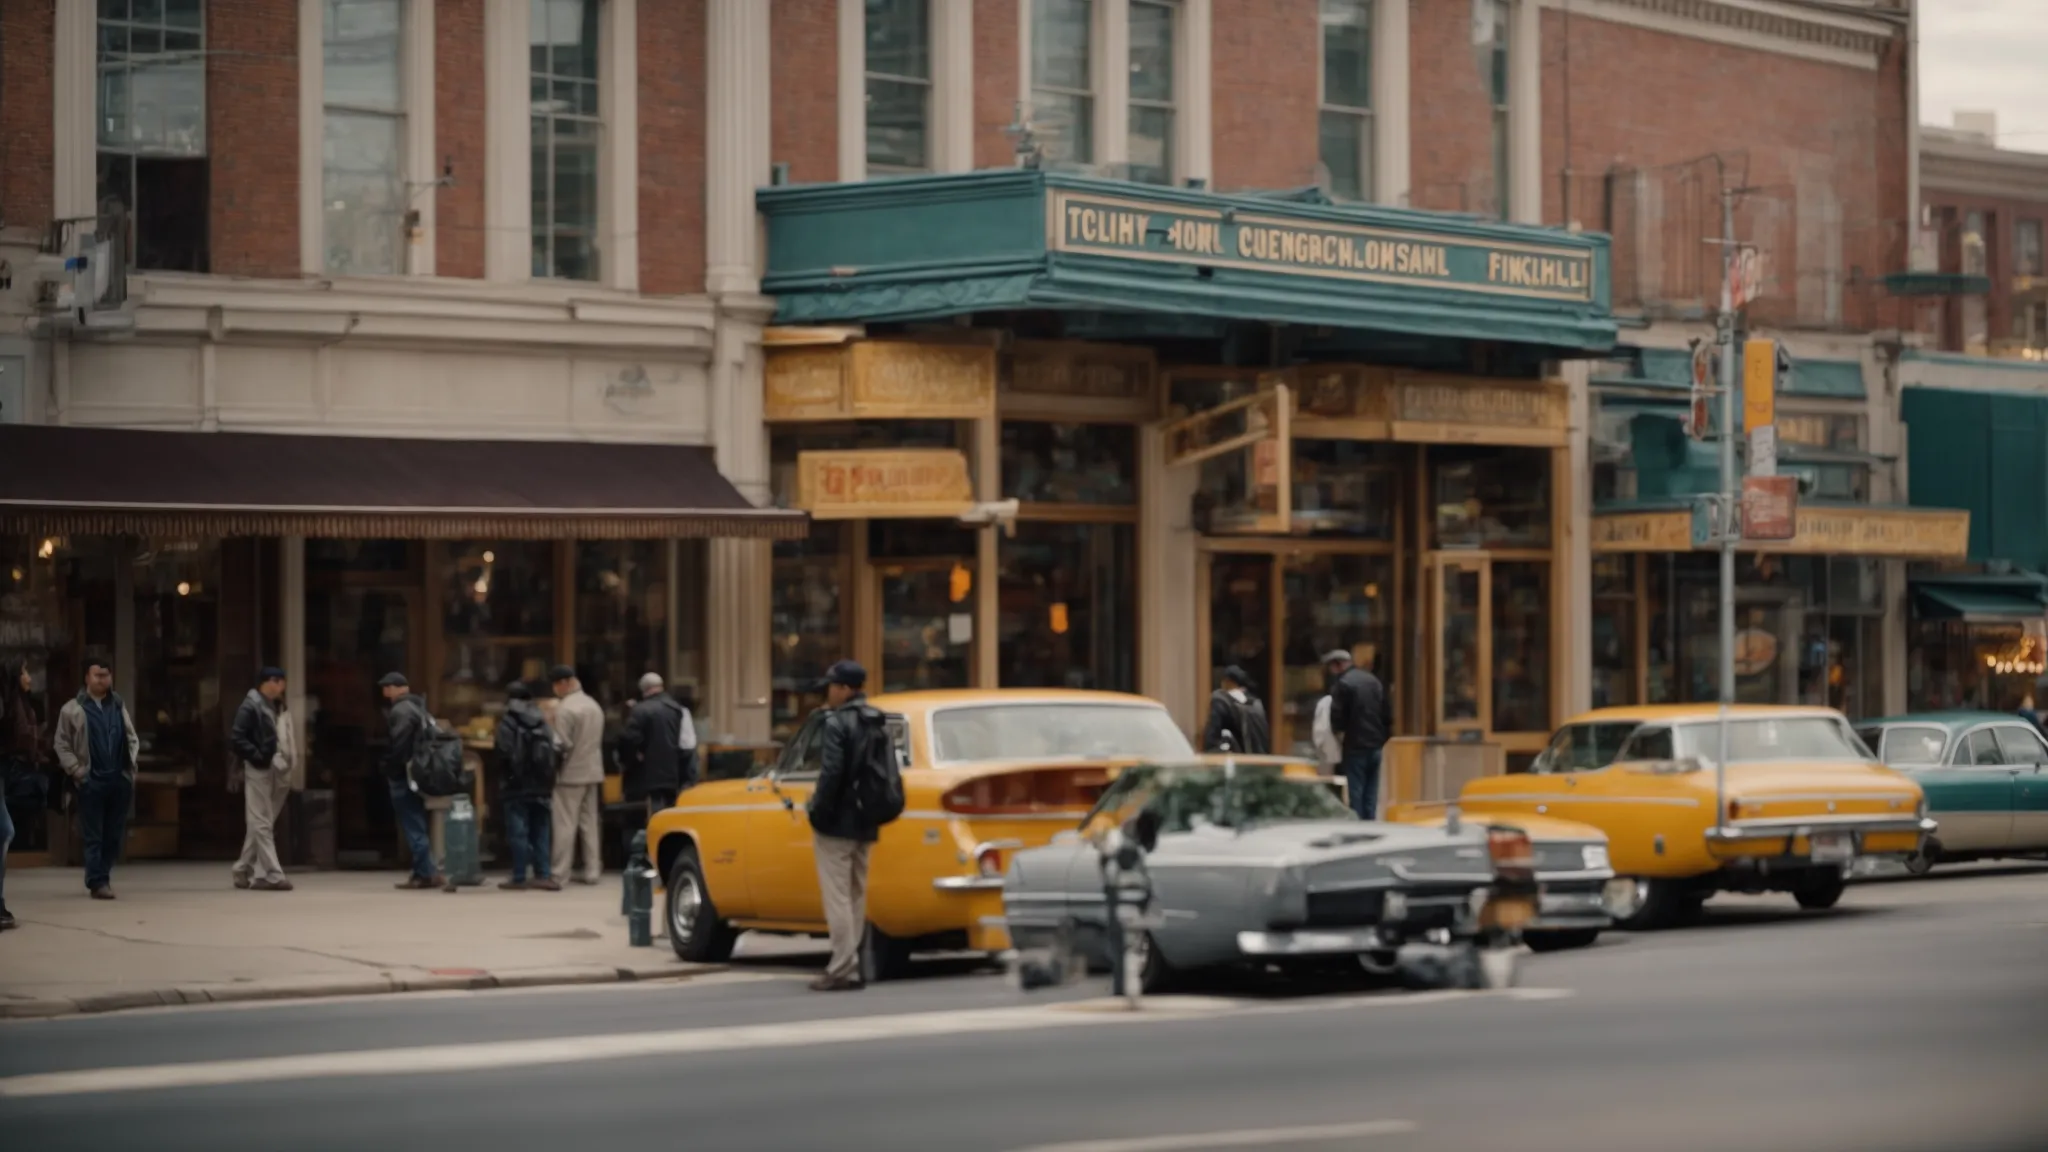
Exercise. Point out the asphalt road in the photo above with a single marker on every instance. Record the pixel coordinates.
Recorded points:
(1913, 1018)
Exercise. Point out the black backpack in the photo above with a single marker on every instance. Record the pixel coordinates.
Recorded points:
(437, 768)
(533, 758)
(876, 788)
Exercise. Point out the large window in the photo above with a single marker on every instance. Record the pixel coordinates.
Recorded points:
(363, 179)
(566, 127)
(151, 66)
(1066, 618)
(2026, 241)
(1070, 463)
(1151, 125)
(1345, 124)
(899, 85)
(1063, 78)
(497, 608)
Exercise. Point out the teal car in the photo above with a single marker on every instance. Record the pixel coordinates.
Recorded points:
(1985, 775)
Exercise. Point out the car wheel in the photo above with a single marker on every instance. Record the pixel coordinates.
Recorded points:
(1821, 892)
(883, 957)
(695, 930)
(1658, 904)
(1560, 939)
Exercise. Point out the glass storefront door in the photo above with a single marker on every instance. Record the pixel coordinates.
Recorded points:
(1490, 627)
(1240, 626)
(926, 618)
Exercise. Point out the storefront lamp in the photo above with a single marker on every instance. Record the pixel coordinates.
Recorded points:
(184, 588)
(47, 550)
(960, 583)
(1059, 619)
(17, 573)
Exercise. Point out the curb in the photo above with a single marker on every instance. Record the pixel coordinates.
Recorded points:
(382, 984)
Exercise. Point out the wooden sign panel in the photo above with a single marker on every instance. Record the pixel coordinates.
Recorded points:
(883, 483)
(881, 380)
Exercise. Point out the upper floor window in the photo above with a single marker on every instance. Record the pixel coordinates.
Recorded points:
(1063, 78)
(2026, 248)
(1345, 124)
(363, 195)
(566, 126)
(151, 128)
(899, 85)
(1152, 88)
(1494, 61)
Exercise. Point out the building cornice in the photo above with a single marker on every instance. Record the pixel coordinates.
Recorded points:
(1978, 170)
(1788, 27)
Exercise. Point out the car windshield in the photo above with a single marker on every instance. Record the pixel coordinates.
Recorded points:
(1231, 798)
(1907, 744)
(1749, 739)
(1584, 747)
(1056, 731)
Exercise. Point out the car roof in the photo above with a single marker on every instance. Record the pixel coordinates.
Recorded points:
(1645, 713)
(1951, 720)
(927, 700)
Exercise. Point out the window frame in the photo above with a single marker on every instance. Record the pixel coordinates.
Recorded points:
(1967, 742)
(928, 83)
(133, 153)
(2022, 734)
(2024, 261)
(1092, 95)
(400, 115)
(1365, 117)
(597, 120)
(1176, 21)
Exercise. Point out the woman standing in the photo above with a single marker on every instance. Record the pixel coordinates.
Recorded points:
(21, 743)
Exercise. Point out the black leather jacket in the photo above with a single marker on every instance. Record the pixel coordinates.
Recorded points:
(832, 810)
(1360, 713)
(253, 735)
(407, 720)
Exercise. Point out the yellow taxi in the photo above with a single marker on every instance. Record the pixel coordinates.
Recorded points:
(1799, 801)
(986, 773)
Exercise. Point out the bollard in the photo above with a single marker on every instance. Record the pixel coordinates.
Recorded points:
(639, 883)
(461, 863)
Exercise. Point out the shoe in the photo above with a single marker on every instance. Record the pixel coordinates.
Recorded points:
(242, 882)
(837, 984)
(416, 882)
(513, 885)
(263, 885)
(103, 892)
(583, 880)
(545, 884)
(7, 920)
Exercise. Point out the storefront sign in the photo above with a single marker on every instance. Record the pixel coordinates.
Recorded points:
(883, 483)
(1770, 507)
(1902, 533)
(1450, 410)
(880, 379)
(1137, 228)
(1057, 368)
(1664, 531)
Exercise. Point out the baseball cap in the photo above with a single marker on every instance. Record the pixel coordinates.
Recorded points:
(393, 680)
(270, 674)
(1336, 656)
(845, 672)
(561, 672)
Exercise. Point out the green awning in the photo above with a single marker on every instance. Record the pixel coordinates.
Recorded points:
(1975, 604)
(933, 247)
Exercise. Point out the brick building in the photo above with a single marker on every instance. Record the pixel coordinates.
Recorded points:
(536, 220)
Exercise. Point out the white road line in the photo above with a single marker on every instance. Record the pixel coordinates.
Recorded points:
(449, 1058)
(1249, 1138)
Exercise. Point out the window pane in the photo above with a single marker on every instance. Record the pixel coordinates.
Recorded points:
(1151, 52)
(805, 612)
(1344, 488)
(1332, 601)
(564, 37)
(1347, 53)
(898, 113)
(1065, 125)
(1067, 592)
(498, 615)
(1151, 145)
(1241, 620)
(1459, 667)
(363, 198)
(622, 604)
(361, 53)
(1521, 647)
(1491, 497)
(183, 13)
(1069, 463)
(1344, 152)
(1060, 42)
(899, 38)
(1614, 626)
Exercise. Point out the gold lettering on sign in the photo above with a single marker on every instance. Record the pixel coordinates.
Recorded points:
(1642, 532)
(1458, 403)
(925, 481)
(804, 383)
(1548, 273)
(1323, 250)
(1107, 225)
(926, 381)
(1854, 532)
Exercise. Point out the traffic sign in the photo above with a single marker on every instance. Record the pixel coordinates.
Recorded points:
(1770, 507)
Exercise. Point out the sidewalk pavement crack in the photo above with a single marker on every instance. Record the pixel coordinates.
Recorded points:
(377, 964)
(105, 934)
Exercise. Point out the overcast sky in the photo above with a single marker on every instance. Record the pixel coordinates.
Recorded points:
(1990, 55)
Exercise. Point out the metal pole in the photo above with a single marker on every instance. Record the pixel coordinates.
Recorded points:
(1724, 339)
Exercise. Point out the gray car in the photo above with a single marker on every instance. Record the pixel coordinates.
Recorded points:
(1251, 866)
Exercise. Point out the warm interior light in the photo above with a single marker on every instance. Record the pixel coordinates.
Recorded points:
(18, 573)
(490, 557)
(47, 550)
(184, 588)
(1372, 591)
(1059, 619)
(960, 582)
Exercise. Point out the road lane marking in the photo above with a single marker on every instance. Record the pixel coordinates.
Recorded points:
(1249, 1138)
(484, 1056)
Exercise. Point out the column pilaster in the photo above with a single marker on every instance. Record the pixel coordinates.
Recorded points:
(952, 85)
(736, 142)
(1390, 139)
(1525, 113)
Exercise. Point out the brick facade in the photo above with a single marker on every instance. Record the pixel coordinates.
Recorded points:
(1264, 96)
(459, 137)
(997, 87)
(804, 79)
(672, 108)
(1450, 102)
(27, 41)
(1949, 213)
(252, 129)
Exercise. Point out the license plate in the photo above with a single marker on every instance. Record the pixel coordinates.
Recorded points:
(1832, 847)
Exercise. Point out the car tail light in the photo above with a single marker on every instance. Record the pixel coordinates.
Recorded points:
(988, 860)
(1027, 792)
(1511, 852)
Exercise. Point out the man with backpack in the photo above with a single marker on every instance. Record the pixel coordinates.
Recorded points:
(526, 751)
(1237, 720)
(859, 790)
(408, 724)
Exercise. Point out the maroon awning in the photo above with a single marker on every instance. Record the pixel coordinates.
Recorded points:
(63, 480)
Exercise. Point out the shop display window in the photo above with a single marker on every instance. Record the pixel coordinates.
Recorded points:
(497, 607)
(1332, 600)
(1613, 627)
(1068, 594)
(808, 621)
(176, 695)
(1989, 666)
(1344, 488)
(1046, 463)
(622, 610)
(1521, 646)
(1490, 497)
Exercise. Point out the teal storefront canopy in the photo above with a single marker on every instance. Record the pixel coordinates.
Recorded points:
(1981, 600)
(1987, 452)
(937, 246)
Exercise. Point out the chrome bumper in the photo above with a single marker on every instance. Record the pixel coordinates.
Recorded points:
(1784, 827)
(968, 883)
(1311, 942)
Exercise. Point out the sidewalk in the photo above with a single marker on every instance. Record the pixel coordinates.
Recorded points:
(181, 934)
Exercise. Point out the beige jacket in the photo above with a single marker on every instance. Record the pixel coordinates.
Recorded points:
(579, 722)
(74, 747)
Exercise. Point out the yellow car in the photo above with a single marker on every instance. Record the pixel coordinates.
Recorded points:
(1802, 799)
(986, 773)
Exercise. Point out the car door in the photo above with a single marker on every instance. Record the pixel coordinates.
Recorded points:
(1971, 797)
(782, 872)
(2027, 755)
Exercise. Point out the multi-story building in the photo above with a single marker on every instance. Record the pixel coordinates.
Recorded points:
(1285, 324)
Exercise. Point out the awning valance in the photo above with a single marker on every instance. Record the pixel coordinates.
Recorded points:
(65, 480)
(1822, 530)
(1981, 599)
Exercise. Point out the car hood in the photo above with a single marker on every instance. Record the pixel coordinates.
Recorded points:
(1310, 841)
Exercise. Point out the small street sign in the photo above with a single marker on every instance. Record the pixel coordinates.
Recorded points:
(1770, 507)
(1698, 420)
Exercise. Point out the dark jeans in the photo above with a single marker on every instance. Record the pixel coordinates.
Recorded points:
(412, 819)
(103, 824)
(529, 828)
(1362, 772)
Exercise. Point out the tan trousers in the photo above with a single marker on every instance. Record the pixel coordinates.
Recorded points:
(576, 813)
(843, 883)
(264, 791)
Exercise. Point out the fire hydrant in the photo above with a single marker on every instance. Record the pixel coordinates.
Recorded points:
(639, 881)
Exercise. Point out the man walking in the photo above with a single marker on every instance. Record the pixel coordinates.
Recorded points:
(579, 786)
(527, 752)
(843, 834)
(1362, 718)
(407, 726)
(264, 742)
(1237, 720)
(658, 747)
(96, 744)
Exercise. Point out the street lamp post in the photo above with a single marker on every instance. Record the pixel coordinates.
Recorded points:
(1731, 481)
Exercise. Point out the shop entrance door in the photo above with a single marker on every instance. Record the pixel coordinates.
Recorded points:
(924, 618)
(1767, 644)
(1489, 631)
